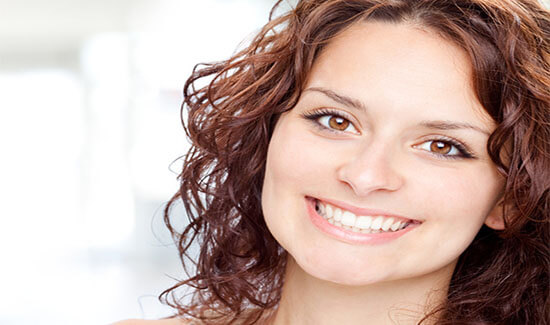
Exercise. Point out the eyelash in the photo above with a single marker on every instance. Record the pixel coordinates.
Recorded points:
(315, 115)
(464, 152)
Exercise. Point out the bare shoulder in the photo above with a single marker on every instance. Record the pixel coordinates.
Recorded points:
(171, 321)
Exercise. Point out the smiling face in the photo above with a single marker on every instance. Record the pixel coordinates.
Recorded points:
(389, 133)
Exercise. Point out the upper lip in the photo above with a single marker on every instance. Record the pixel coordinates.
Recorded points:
(364, 211)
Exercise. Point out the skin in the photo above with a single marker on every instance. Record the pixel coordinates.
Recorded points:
(404, 76)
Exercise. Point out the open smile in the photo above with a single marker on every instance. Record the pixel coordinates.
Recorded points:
(356, 225)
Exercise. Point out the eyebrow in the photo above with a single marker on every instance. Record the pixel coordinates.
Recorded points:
(437, 125)
(448, 125)
(344, 100)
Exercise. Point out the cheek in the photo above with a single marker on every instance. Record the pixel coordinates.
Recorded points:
(297, 165)
(285, 173)
(296, 160)
(284, 163)
(467, 191)
(458, 199)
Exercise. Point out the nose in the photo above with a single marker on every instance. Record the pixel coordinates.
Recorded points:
(372, 169)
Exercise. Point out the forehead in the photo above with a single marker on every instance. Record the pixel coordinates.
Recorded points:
(400, 67)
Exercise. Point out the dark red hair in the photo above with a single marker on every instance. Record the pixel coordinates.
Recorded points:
(503, 276)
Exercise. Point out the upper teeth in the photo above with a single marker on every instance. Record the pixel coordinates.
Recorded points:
(349, 220)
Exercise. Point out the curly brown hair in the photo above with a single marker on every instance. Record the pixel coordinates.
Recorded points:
(503, 276)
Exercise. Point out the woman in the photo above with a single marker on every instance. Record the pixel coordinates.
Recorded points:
(372, 162)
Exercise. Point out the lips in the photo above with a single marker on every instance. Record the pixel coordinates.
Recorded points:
(363, 224)
(356, 225)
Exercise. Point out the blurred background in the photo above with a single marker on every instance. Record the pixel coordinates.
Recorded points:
(90, 134)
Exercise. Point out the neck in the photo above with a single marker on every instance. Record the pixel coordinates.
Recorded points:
(308, 300)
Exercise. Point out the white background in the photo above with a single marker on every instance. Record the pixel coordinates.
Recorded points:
(90, 92)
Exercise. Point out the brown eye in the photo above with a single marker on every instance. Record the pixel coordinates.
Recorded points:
(440, 147)
(445, 149)
(334, 122)
(338, 123)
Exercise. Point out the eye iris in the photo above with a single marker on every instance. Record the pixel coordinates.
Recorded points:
(338, 123)
(440, 147)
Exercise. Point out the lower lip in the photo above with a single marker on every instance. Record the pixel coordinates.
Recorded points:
(350, 236)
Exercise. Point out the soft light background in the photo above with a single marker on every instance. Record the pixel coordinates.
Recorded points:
(90, 92)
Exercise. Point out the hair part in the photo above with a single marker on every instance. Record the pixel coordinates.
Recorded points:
(502, 278)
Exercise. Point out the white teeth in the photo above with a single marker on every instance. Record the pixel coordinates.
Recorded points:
(360, 224)
(377, 223)
(387, 223)
(337, 214)
(348, 218)
(395, 226)
(328, 211)
(363, 222)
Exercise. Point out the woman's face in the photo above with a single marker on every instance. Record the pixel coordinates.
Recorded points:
(380, 172)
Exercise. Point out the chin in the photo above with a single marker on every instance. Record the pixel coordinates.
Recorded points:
(339, 272)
